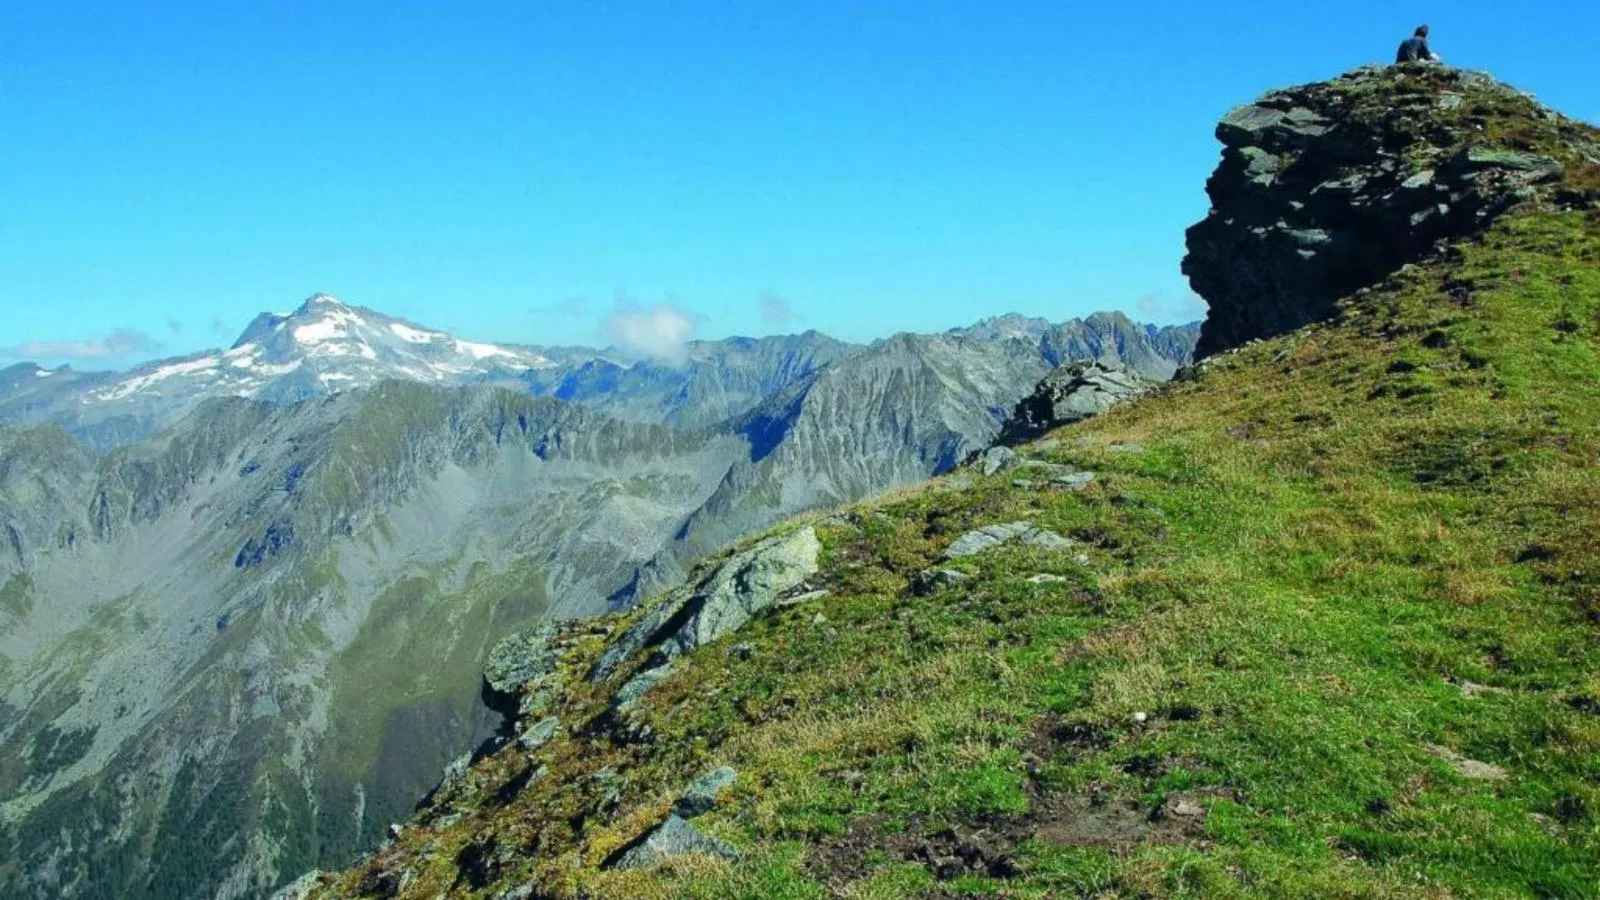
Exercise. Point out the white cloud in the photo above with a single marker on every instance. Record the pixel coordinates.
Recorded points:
(119, 343)
(1157, 308)
(660, 332)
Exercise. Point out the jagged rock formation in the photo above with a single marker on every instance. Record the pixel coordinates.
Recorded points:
(1326, 188)
(1069, 394)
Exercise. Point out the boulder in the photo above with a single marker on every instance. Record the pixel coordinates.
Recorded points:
(673, 838)
(629, 695)
(642, 633)
(518, 661)
(745, 585)
(1075, 481)
(1071, 393)
(540, 734)
(701, 796)
(929, 580)
(992, 536)
(997, 459)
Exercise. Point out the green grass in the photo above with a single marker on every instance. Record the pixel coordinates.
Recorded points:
(1321, 568)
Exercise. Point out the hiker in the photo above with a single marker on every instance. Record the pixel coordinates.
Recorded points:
(1415, 48)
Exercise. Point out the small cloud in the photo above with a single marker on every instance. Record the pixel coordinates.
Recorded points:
(175, 325)
(219, 327)
(574, 308)
(1156, 307)
(775, 310)
(660, 332)
(119, 343)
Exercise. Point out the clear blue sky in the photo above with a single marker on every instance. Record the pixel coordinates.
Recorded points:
(508, 170)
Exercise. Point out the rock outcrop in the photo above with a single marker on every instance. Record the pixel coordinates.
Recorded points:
(1072, 392)
(670, 840)
(1326, 188)
(736, 590)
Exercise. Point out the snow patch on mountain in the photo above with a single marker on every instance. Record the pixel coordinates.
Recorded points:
(148, 379)
(483, 351)
(411, 335)
(330, 327)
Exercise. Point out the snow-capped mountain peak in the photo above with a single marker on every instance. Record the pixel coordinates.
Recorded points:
(325, 345)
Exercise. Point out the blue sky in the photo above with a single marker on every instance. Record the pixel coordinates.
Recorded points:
(519, 171)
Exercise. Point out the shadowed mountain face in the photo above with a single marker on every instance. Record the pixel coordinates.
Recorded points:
(241, 646)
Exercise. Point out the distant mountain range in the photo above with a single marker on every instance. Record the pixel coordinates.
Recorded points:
(326, 346)
(245, 595)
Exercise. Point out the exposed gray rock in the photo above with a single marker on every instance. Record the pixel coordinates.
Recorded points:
(701, 796)
(1076, 481)
(640, 634)
(455, 772)
(540, 734)
(997, 459)
(629, 695)
(957, 482)
(1184, 808)
(519, 660)
(673, 838)
(1071, 393)
(806, 597)
(929, 580)
(1047, 469)
(992, 536)
(746, 584)
(1046, 578)
(1049, 540)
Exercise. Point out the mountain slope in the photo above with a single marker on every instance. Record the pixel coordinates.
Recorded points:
(1322, 624)
(718, 379)
(286, 606)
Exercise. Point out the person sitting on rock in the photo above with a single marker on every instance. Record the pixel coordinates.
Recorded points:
(1415, 48)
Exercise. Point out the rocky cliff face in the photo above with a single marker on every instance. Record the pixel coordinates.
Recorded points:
(1325, 188)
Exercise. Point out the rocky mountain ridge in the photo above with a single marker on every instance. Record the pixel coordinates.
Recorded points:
(327, 346)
